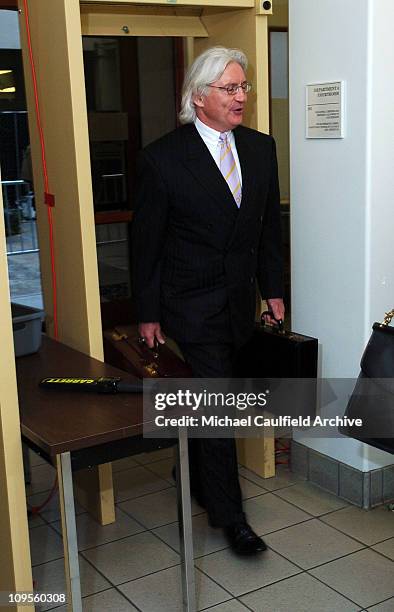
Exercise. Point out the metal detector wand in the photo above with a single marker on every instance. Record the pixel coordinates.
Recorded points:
(103, 384)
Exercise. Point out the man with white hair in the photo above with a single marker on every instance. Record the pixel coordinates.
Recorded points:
(206, 226)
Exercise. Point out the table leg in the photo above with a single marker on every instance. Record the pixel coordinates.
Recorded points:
(185, 522)
(93, 489)
(258, 454)
(69, 532)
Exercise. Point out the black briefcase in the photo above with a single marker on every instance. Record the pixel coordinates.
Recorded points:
(273, 352)
(284, 364)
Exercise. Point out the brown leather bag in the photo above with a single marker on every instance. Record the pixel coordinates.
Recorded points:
(124, 349)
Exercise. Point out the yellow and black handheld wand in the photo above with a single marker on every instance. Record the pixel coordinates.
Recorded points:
(104, 384)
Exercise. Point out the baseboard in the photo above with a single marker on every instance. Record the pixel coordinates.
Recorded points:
(364, 489)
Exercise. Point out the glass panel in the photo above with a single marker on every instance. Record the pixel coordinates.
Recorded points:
(108, 124)
(157, 87)
(19, 210)
(130, 93)
(113, 261)
(7, 85)
(12, 87)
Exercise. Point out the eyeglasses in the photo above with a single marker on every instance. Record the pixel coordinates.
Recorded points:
(233, 89)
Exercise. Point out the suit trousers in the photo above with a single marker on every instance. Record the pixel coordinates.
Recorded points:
(213, 462)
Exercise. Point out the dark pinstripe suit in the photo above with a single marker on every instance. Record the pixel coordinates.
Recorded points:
(196, 257)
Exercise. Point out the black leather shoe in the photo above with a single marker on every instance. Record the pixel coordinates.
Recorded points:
(243, 539)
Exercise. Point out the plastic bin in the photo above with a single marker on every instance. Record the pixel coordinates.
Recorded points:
(26, 325)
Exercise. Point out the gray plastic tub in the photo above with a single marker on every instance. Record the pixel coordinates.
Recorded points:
(26, 325)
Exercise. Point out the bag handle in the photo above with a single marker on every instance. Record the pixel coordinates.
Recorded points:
(280, 325)
(387, 319)
(154, 349)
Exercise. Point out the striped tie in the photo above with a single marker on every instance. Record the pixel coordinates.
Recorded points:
(228, 168)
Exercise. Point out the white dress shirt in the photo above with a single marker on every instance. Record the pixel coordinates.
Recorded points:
(211, 139)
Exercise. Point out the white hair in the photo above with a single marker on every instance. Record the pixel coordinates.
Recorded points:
(206, 68)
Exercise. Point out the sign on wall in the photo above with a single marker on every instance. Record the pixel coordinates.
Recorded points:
(325, 110)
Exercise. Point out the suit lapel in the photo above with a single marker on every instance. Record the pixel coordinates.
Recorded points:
(201, 164)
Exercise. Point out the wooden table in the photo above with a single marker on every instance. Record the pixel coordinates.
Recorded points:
(75, 429)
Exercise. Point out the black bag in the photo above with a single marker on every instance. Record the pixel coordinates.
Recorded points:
(273, 352)
(273, 357)
(372, 399)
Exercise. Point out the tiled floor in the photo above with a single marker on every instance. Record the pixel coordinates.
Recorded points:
(323, 555)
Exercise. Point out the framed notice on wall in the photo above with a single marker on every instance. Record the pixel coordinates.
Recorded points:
(325, 110)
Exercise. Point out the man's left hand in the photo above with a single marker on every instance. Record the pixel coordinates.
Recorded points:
(276, 308)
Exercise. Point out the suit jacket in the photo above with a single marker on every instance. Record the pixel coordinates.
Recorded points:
(195, 255)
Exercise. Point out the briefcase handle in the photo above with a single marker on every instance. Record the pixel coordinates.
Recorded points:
(154, 350)
(280, 328)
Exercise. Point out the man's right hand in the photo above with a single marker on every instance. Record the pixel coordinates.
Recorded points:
(151, 332)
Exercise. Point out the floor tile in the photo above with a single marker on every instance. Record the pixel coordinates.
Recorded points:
(90, 533)
(123, 464)
(45, 545)
(311, 543)
(51, 511)
(268, 513)
(283, 478)
(239, 575)
(135, 482)
(250, 489)
(132, 557)
(163, 453)
(109, 601)
(50, 577)
(35, 459)
(106, 601)
(233, 605)
(163, 469)
(252, 477)
(163, 591)
(385, 606)
(206, 539)
(365, 577)
(156, 509)
(35, 520)
(386, 548)
(42, 479)
(298, 594)
(369, 527)
(311, 498)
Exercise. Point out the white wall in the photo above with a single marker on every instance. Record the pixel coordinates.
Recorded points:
(381, 201)
(342, 211)
(9, 30)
